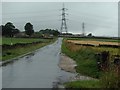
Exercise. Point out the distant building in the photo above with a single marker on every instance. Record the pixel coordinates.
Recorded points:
(46, 35)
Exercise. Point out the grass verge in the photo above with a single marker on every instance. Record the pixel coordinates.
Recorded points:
(83, 84)
(84, 57)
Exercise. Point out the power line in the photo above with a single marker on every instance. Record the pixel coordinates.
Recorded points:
(92, 24)
(90, 18)
(91, 15)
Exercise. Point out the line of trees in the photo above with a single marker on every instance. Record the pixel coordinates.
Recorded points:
(50, 31)
(9, 30)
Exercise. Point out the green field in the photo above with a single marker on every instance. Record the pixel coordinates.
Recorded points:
(20, 50)
(19, 40)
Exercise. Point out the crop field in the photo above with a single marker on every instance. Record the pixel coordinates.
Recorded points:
(112, 51)
(20, 40)
(93, 42)
(95, 39)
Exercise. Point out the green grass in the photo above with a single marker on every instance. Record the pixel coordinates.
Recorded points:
(111, 79)
(83, 84)
(85, 59)
(19, 40)
(23, 50)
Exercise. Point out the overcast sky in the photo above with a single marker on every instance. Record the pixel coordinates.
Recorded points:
(100, 18)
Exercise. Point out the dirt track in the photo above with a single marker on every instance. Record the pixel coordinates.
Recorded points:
(68, 64)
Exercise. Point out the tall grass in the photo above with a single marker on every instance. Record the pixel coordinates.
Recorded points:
(110, 80)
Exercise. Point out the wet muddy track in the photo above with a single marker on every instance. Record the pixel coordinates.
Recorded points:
(37, 70)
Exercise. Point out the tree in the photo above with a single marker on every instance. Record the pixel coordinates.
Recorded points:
(9, 30)
(50, 31)
(29, 29)
(1, 29)
(16, 31)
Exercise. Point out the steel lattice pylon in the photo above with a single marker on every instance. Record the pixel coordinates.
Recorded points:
(63, 24)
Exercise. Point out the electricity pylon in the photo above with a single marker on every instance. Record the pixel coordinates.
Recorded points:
(63, 24)
(83, 29)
